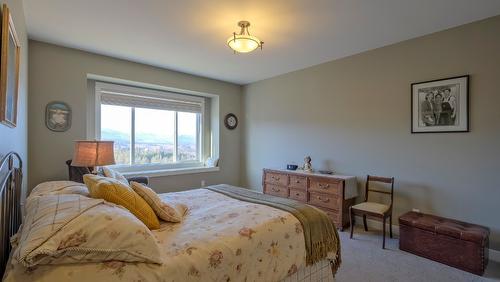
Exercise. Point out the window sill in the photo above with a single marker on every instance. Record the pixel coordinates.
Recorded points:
(169, 172)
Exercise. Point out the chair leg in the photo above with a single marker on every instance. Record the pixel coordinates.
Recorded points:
(390, 226)
(351, 219)
(383, 234)
(364, 223)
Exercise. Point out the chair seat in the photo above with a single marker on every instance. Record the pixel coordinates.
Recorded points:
(371, 207)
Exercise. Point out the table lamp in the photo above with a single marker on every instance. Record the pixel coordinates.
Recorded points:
(93, 153)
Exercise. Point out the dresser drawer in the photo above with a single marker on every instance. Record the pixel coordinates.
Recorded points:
(276, 178)
(324, 200)
(323, 185)
(276, 190)
(298, 194)
(298, 182)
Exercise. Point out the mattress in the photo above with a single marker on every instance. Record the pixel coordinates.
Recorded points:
(220, 239)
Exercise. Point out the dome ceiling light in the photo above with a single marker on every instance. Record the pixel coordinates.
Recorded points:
(244, 42)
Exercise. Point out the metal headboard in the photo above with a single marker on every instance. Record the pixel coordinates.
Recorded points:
(11, 177)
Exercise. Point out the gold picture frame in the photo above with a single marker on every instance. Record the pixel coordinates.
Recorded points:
(9, 70)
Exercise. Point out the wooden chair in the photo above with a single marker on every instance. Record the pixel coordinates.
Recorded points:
(373, 209)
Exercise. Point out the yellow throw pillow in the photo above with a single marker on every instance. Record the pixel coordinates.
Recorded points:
(118, 193)
(168, 211)
(108, 172)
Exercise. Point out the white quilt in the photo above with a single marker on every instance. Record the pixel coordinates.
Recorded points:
(220, 239)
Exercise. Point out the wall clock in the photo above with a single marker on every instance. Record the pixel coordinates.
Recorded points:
(230, 121)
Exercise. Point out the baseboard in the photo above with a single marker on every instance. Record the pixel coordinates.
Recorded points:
(494, 255)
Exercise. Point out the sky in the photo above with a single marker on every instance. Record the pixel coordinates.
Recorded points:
(147, 121)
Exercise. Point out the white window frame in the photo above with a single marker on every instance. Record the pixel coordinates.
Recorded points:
(152, 168)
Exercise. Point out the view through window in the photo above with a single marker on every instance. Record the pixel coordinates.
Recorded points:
(151, 135)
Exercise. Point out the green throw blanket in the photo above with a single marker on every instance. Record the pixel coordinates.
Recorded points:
(320, 234)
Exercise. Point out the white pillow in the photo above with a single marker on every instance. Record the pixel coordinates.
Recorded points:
(168, 211)
(68, 228)
(108, 172)
(60, 187)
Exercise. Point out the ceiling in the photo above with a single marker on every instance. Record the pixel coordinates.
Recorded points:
(190, 36)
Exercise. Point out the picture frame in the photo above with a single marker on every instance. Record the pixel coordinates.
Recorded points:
(9, 70)
(58, 116)
(440, 105)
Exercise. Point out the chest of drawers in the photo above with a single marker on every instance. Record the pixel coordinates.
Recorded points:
(326, 192)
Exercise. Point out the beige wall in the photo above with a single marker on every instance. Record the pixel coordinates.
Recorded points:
(60, 74)
(16, 139)
(353, 115)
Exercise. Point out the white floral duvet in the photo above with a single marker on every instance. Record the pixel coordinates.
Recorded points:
(220, 239)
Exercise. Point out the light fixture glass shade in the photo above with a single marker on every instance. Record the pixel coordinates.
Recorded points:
(243, 43)
(93, 153)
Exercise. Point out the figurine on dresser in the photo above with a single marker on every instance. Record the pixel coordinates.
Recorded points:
(307, 164)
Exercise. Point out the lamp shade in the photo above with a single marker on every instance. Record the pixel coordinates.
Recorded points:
(93, 153)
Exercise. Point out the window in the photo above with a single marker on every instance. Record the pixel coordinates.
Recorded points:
(152, 130)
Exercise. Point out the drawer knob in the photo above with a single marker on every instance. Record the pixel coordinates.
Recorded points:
(297, 194)
(324, 186)
(323, 200)
(297, 181)
(275, 178)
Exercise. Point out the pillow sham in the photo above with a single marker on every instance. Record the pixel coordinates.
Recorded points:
(60, 187)
(108, 172)
(168, 211)
(118, 193)
(69, 228)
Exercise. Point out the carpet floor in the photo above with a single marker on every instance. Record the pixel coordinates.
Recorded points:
(364, 260)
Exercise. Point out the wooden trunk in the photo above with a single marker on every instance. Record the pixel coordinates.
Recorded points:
(455, 243)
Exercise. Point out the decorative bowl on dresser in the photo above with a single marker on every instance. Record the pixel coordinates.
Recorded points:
(333, 194)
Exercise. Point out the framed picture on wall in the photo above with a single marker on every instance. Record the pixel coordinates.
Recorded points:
(440, 105)
(58, 116)
(9, 70)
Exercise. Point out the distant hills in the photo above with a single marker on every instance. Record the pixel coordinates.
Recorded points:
(147, 138)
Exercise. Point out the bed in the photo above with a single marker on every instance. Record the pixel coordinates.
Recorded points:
(221, 238)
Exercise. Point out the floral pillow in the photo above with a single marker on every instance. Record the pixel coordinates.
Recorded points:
(108, 172)
(60, 187)
(168, 211)
(66, 228)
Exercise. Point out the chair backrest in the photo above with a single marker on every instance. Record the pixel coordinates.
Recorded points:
(386, 180)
